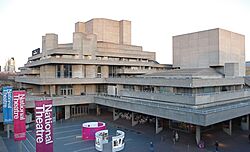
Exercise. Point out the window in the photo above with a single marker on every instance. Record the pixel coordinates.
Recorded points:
(113, 71)
(66, 90)
(208, 90)
(101, 89)
(67, 70)
(99, 72)
(129, 87)
(58, 71)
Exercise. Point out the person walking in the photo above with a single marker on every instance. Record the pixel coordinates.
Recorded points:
(176, 136)
(216, 146)
(249, 138)
(173, 137)
(151, 147)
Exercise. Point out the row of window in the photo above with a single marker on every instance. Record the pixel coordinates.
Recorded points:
(68, 89)
(120, 59)
(65, 71)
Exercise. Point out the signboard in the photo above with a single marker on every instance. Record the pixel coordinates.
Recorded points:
(44, 126)
(36, 51)
(7, 105)
(19, 115)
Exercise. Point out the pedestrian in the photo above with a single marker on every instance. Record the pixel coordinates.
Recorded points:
(176, 136)
(249, 138)
(216, 146)
(151, 147)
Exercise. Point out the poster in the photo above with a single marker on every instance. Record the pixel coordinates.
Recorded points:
(44, 126)
(19, 115)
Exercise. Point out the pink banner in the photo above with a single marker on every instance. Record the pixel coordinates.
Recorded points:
(44, 126)
(19, 115)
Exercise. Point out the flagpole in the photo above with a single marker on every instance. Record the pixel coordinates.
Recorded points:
(20, 146)
(8, 131)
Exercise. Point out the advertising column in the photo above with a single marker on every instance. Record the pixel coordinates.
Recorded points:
(118, 141)
(44, 126)
(7, 107)
(19, 115)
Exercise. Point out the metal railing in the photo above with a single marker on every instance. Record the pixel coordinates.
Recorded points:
(156, 103)
(191, 94)
(179, 107)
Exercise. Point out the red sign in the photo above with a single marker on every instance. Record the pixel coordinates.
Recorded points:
(44, 126)
(19, 115)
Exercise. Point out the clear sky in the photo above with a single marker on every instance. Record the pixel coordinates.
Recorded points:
(154, 22)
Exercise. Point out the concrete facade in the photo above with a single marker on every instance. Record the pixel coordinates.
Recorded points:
(118, 32)
(101, 49)
(209, 48)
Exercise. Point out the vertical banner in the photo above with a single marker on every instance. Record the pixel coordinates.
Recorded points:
(44, 126)
(19, 115)
(7, 105)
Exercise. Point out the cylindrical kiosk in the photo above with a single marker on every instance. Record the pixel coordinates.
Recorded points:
(118, 141)
(90, 128)
(101, 137)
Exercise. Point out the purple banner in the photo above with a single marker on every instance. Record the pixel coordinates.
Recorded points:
(44, 126)
(19, 115)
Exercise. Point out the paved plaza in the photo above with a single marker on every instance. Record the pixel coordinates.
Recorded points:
(67, 138)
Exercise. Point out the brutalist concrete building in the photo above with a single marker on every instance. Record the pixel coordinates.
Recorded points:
(100, 70)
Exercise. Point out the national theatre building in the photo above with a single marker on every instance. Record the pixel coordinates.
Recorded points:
(102, 71)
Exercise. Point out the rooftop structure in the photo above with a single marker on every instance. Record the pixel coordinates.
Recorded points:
(210, 48)
(10, 65)
(107, 30)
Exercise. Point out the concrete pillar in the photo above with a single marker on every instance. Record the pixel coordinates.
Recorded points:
(119, 88)
(105, 71)
(98, 110)
(245, 123)
(77, 71)
(115, 114)
(124, 32)
(228, 130)
(134, 122)
(198, 134)
(230, 127)
(158, 125)
(75, 110)
(78, 42)
(52, 90)
(91, 71)
(67, 112)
